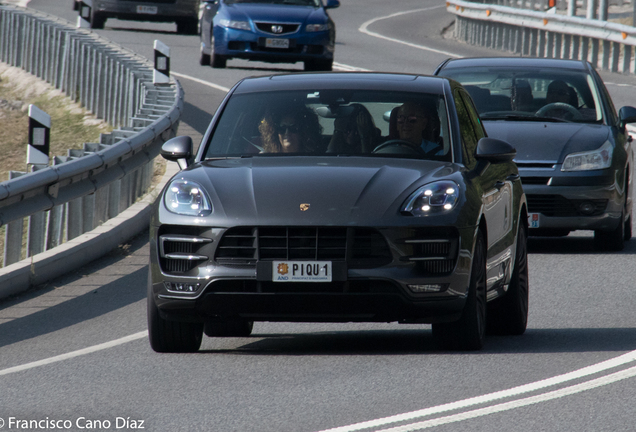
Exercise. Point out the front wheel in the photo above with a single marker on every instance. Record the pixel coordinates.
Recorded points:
(171, 336)
(509, 314)
(611, 240)
(469, 332)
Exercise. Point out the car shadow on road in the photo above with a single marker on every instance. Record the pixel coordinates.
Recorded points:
(408, 342)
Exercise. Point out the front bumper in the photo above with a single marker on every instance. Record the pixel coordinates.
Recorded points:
(216, 291)
(573, 201)
(147, 11)
(232, 43)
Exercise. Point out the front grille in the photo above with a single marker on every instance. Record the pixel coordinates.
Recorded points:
(559, 206)
(535, 180)
(537, 165)
(360, 247)
(277, 28)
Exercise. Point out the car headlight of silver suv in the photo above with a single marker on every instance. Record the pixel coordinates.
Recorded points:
(186, 197)
(433, 198)
(589, 160)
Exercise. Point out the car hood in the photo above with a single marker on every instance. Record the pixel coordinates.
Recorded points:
(538, 141)
(339, 190)
(272, 12)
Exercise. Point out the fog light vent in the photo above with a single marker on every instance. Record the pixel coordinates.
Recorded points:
(428, 288)
(182, 287)
(587, 207)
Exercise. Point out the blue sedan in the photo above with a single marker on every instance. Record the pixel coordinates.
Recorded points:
(273, 31)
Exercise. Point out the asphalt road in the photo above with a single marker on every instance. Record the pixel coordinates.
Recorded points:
(76, 350)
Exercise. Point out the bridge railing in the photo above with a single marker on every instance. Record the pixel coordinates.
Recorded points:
(87, 187)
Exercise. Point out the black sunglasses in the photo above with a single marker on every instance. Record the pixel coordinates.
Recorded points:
(412, 119)
(284, 128)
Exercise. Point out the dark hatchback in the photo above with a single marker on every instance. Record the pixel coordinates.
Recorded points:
(285, 214)
(574, 153)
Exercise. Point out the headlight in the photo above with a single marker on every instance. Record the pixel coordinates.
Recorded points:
(241, 25)
(317, 27)
(185, 197)
(590, 160)
(433, 198)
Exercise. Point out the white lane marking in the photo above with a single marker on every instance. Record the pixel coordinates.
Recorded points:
(487, 398)
(568, 391)
(344, 67)
(364, 29)
(620, 85)
(339, 66)
(73, 354)
(200, 81)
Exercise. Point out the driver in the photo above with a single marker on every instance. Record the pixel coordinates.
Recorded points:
(418, 124)
(558, 91)
(560, 94)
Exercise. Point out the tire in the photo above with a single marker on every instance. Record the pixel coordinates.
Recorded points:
(171, 336)
(468, 333)
(97, 21)
(611, 240)
(204, 59)
(509, 314)
(628, 229)
(217, 61)
(188, 26)
(76, 5)
(238, 328)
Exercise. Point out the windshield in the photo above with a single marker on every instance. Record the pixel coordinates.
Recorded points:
(315, 3)
(332, 122)
(530, 93)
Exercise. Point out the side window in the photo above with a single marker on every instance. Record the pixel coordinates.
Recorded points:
(478, 126)
(612, 110)
(469, 139)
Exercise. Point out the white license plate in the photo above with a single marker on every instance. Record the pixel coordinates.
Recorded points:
(533, 220)
(277, 43)
(149, 10)
(301, 271)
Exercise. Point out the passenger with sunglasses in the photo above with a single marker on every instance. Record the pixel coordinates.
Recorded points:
(354, 133)
(292, 129)
(418, 124)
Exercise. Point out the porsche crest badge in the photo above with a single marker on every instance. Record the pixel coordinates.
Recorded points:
(304, 207)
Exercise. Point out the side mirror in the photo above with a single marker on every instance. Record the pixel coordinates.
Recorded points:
(332, 4)
(495, 151)
(178, 149)
(627, 114)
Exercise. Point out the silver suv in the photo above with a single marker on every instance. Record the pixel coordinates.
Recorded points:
(185, 13)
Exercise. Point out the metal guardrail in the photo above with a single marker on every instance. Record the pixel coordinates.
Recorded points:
(607, 45)
(88, 186)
